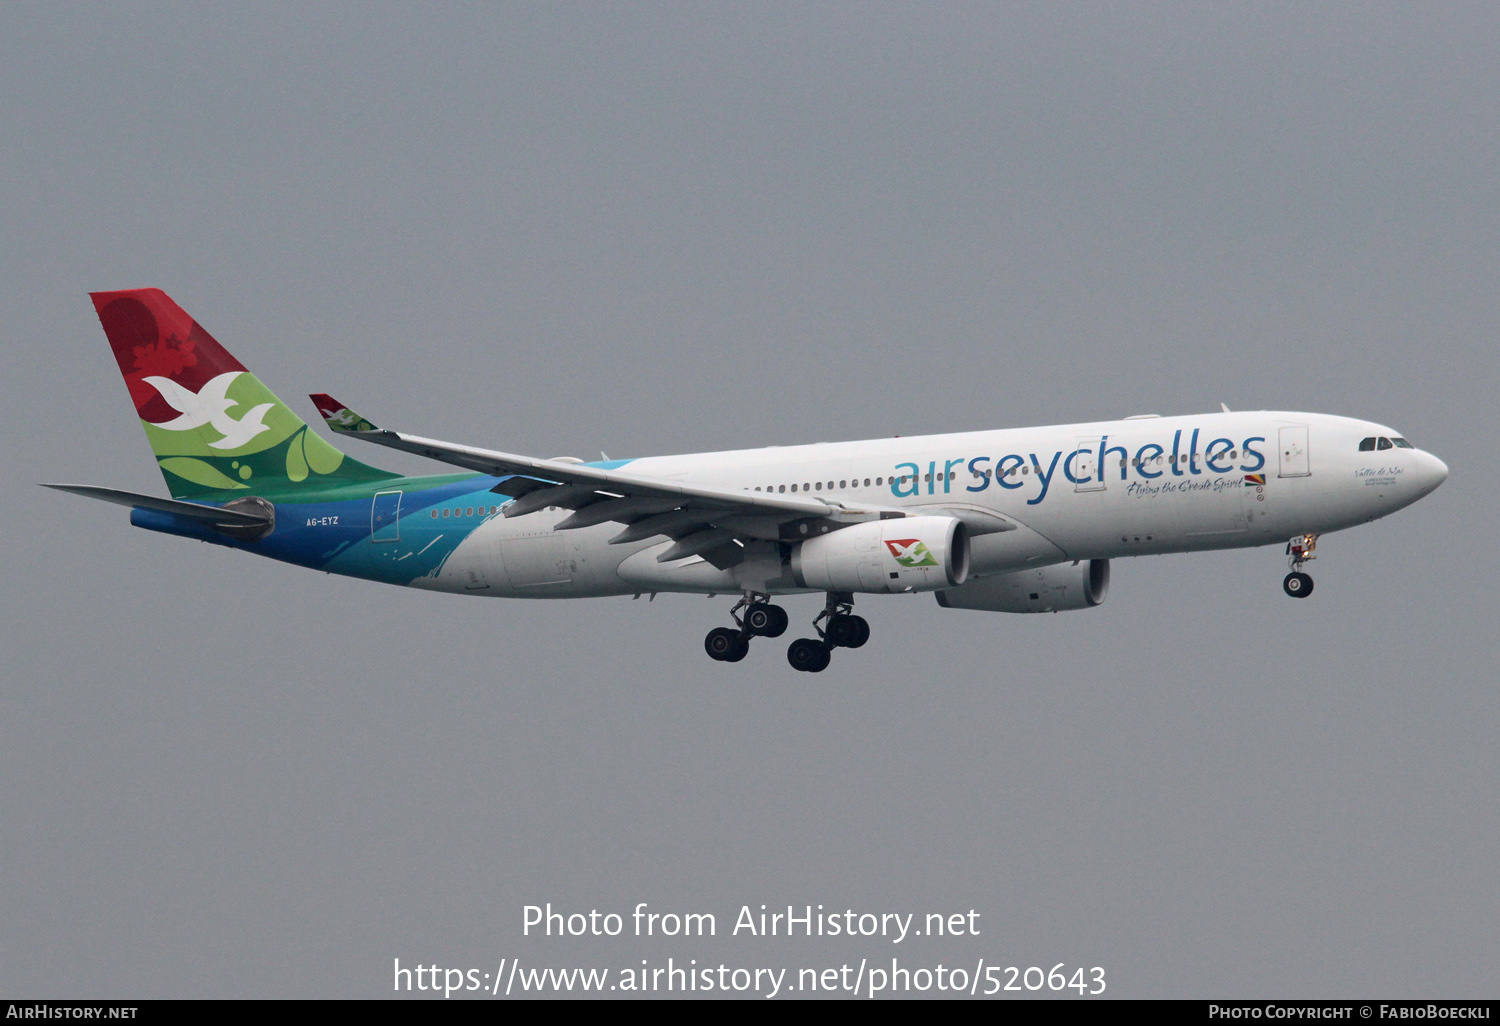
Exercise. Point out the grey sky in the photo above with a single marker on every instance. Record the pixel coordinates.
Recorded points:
(654, 228)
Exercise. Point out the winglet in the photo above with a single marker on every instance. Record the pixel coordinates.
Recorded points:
(339, 417)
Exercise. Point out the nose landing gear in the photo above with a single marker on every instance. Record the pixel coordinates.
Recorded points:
(1299, 550)
(760, 618)
(837, 627)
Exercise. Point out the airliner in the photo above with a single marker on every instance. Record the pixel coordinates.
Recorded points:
(1021, 520)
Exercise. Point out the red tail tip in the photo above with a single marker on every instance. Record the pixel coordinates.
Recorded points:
(151, 336)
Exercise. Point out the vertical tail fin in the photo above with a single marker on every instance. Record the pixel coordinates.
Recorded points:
(216, 430)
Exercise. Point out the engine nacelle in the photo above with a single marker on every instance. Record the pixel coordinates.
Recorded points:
(1048, 589)
(910, 554)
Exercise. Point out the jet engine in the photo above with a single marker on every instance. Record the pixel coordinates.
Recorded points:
(1048, 589)
(909, 554)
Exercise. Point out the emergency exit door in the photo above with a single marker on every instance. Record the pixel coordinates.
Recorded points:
(1292, 452)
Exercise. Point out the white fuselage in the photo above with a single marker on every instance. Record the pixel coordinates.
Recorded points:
(1072, 492)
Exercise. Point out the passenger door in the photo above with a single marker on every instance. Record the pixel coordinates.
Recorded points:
(385, 517)
(1292, 452)
(1085, 460)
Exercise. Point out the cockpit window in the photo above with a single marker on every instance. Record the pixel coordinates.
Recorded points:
(1402, 443)
(1367, 445)
(1383, 444)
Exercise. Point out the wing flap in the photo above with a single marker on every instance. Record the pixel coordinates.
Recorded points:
(567, 496)
(622, 511)
(697, 544)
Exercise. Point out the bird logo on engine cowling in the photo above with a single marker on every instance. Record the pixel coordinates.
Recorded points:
(910, 552)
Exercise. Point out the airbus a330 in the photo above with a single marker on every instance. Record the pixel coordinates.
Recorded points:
(1021, 520)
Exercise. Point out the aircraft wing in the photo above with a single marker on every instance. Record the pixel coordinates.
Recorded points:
(713, 523)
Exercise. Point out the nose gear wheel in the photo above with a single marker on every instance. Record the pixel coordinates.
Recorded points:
(1299, 550)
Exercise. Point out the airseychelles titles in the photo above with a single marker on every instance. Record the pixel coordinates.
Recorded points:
(1091, 460)
(764, 921)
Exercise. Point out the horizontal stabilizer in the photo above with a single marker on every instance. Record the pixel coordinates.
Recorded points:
(196, 511)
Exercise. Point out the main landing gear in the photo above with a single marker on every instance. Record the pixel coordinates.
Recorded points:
(760, 618)
(840, 629)
(755, 616)
(1299, 550)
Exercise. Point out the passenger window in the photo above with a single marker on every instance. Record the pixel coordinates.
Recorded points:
(867, 482)
(1367, 445)
(1234, 454)
(1383, 444)
(782, 488)
(445, 513)
(878, 480)
(794, 488)
(434, 514)
(1402, 443)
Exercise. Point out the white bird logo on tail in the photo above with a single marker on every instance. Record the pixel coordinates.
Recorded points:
(208, 406)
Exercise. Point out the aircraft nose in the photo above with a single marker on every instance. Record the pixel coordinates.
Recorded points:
(1431, 472)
